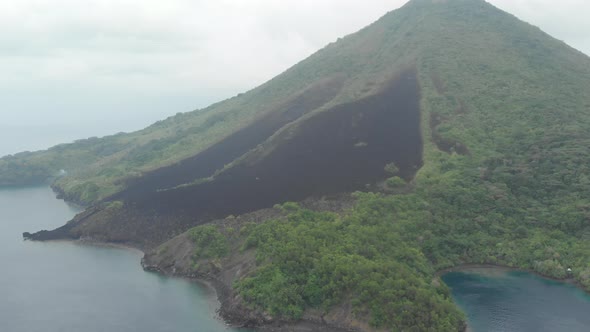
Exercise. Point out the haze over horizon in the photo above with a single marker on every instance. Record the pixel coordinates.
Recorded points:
(75, 69)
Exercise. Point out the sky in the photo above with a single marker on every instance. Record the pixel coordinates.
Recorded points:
(79, 68)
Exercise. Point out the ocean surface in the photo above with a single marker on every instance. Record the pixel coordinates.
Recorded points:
(500, 300)
(68, 287)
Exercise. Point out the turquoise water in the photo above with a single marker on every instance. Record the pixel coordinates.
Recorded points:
(505, 301)
(64, 286)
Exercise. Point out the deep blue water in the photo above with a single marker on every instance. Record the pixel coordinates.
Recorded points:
(68, 287)
(497, 300)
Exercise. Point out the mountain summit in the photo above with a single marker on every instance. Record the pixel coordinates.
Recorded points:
(446, 133)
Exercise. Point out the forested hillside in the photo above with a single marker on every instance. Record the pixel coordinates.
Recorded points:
(506, 127)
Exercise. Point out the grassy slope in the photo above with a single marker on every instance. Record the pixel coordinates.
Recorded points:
(518, 101)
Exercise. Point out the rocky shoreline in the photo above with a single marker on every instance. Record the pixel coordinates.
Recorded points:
(174, 258)
(177, 262)
(231, 309)
(69, 199)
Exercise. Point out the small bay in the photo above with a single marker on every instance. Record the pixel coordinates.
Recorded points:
(66, 286)
(504, 300)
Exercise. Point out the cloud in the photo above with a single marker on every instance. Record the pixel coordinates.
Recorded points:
(182, 44)
(224, 43)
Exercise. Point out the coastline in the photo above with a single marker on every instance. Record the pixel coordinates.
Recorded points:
(216, 294)
(96, 243)
(219, 295)
(497, 270)
(211, 291)
(220, 299)
(505, 268)
(71, 201)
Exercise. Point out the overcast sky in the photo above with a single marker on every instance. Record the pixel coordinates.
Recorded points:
(75, 68)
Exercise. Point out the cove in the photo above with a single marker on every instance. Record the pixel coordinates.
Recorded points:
(503, 300)
(66, 286)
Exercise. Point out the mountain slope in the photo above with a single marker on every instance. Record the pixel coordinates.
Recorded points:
(99, 167)
(486, 119)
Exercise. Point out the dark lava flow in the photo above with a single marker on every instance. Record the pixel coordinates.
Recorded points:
(214, 158)
(339, 150)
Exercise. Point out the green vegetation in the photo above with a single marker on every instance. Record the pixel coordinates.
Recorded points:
(319, 260)
(512, 189)
(395, 182)
(209, 242)
(381, 256)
